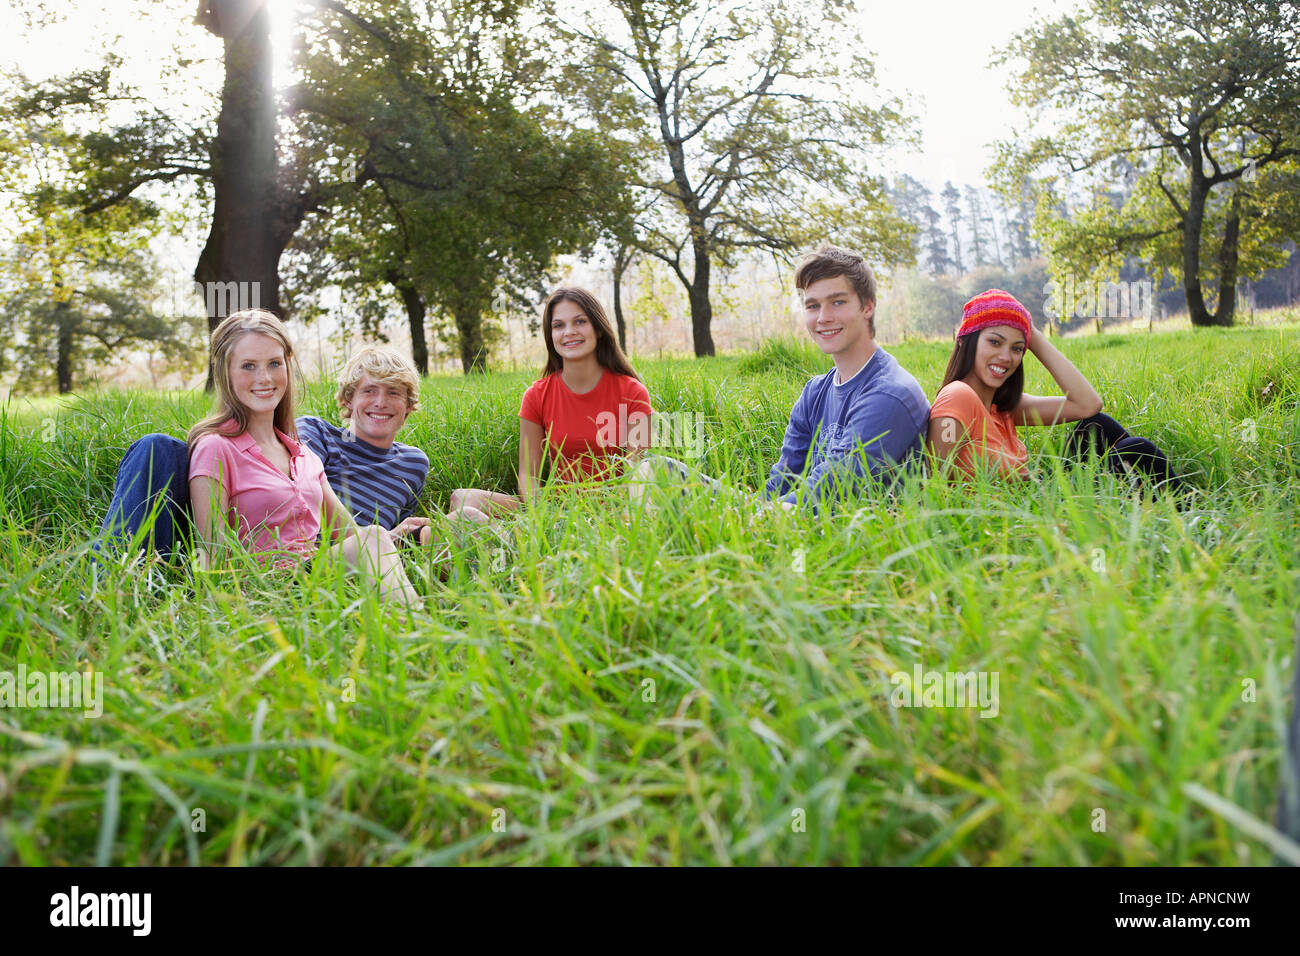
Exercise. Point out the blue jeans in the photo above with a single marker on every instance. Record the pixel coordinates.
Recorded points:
(154, 474)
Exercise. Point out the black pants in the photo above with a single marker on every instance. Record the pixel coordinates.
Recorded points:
(1124, 454)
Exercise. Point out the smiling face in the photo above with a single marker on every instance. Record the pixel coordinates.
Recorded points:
(377, 410)
(837, 321)
(998, 353)
(259, 374)
(572, 332)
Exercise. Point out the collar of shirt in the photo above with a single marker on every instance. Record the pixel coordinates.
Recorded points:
(836, 380)
(245, 443)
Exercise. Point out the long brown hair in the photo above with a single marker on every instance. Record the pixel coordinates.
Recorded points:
(608, 353)
(1007, 396)
(230, 417)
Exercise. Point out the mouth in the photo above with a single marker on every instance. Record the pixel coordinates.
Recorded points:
(263, 392)
(381, 418)
(572, 344)
(827, 334)
(999, 371)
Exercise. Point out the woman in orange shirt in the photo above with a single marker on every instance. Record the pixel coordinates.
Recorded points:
(588, 407)
(974, 417)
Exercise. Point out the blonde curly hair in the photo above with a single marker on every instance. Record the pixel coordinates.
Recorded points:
(384, 365)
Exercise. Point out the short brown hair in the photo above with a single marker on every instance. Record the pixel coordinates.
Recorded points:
(828, 262)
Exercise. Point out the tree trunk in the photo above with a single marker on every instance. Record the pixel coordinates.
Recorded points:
(253, 215)
(701, 308)
(1227, 306)
(622, 259)
(1192, 223)
(415, 313)
(65, 343)
(473, 352)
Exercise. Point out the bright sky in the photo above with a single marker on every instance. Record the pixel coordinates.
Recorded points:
(939, 50)
(936, 51)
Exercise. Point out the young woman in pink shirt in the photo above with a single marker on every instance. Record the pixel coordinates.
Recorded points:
(253, 485)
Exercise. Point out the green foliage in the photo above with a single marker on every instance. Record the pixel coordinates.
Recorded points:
(931, 306)
(632, 687)
(1192, 106)
(784, 356)
(742, 126)
(470, 185)
(76, 289)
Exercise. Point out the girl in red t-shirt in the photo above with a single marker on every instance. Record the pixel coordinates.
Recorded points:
(588, 406)
(974, 417)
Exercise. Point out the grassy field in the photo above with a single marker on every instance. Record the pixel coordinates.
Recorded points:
(602, 685)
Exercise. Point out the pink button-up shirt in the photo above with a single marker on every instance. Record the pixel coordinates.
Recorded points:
(275, 514)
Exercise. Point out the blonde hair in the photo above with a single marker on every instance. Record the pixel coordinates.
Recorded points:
(384, 365)
(228, 408)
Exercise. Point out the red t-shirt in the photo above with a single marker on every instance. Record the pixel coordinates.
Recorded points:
(584, 430)
(992, 435)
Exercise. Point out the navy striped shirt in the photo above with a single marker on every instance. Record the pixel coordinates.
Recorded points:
(378, 485)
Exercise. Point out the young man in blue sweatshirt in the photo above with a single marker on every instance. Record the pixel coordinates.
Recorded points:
(855, 425)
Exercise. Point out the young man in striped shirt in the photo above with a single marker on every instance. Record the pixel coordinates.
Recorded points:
(377, 478)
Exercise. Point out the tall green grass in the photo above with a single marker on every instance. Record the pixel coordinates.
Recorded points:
(686, 684)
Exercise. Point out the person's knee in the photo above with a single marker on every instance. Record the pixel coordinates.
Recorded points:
(1109, 429)
(166, 452)
(1144, 453)
(1139, 446)
(376, 537)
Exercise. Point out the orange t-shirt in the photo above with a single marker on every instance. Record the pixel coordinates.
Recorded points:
(992, 434)
(584, 430)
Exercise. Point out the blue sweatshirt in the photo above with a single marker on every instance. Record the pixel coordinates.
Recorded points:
(872, 422)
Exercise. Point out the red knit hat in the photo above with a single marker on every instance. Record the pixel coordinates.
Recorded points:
(995, 307)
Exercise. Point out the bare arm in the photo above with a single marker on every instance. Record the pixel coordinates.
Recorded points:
(1080, 399)
(531, 437)
(210, 504)
(946, 437)
(338, 523)
(638, 435)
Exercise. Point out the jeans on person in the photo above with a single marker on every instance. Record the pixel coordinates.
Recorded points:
(1125, 454)
(154, 475)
